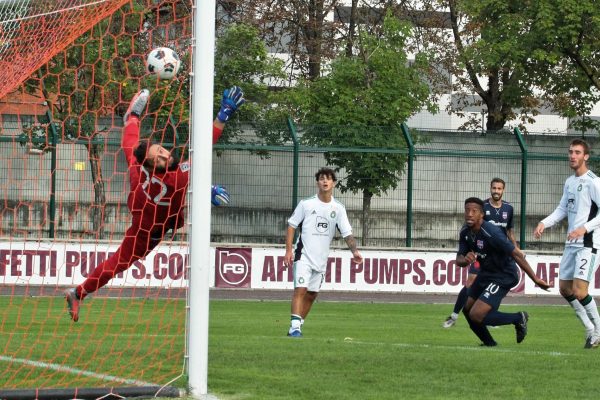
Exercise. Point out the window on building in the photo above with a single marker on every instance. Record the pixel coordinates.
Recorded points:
(13, 124)
(10, 124)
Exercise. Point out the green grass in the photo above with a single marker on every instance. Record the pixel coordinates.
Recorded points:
(349, 350)
(140, 340)
(391, 351)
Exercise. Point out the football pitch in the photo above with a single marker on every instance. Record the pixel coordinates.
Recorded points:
(349, 350)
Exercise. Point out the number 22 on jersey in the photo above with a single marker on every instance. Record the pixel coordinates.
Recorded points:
(153, 185)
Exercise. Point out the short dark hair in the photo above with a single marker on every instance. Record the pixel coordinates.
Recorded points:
(498, 180)
(140, 151)
(475, 200)
(582, 143)
(328, 172)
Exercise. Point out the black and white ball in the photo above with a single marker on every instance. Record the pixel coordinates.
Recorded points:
(163, 62)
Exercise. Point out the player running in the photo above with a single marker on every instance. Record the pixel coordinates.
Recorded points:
(158, 184)
(499, 213)
(482, 241)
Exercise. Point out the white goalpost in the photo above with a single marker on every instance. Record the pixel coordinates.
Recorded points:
(199, 196)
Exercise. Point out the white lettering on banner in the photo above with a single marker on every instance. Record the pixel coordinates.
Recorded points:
(431, 272)
(34, 263)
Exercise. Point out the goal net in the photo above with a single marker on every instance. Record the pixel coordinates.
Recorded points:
(70, 69)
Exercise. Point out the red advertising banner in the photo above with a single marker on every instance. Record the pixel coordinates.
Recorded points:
(167, 266)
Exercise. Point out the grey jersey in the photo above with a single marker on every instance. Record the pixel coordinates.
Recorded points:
(579, 203)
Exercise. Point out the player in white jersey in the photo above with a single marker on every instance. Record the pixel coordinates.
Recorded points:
(579, 203)
(318, 217)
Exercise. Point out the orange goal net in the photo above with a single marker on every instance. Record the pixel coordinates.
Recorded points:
(32, 32)
(70, 69)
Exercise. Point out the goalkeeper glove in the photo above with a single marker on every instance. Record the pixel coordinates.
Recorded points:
(219, 195)
(232, 99)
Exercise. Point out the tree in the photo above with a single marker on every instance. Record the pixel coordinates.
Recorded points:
(483, 46)
(241, 58)
(304, 30)
(565, 61)
(361, 103)
(298, 28)
(517, 56)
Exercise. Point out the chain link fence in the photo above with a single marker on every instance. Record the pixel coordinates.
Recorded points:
(401, 187)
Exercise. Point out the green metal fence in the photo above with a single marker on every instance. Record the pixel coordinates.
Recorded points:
(425, 210)
(52, 195)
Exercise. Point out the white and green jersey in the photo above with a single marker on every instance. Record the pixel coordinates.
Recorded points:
(317, 222)
(580, 204)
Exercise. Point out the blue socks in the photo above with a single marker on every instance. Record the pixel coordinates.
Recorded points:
(497, 318)
(461, 300)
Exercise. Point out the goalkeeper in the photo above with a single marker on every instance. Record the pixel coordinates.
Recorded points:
(158, 184)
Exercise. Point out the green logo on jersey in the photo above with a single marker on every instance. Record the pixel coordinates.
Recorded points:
(332, 215)
(300, 280)
(579, 187)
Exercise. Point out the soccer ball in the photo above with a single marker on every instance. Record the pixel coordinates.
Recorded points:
(163, 62)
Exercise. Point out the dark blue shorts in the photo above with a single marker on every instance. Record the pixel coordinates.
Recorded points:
(488, 291)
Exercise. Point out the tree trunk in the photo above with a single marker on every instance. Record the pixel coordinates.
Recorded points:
(313, 33)
(351, 29)
(99, 205)
(495, 122)
(366, 216)
(496, 118)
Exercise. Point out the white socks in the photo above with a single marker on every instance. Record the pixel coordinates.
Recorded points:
(582, 314)
(296, 322)
(591, 311)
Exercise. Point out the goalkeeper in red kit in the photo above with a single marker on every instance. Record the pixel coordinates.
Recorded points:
(158, 184)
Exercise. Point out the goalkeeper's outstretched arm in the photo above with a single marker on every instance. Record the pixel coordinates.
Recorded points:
(232, 99)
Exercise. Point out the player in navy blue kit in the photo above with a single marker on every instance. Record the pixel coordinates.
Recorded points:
(499, 213)
(482, 241)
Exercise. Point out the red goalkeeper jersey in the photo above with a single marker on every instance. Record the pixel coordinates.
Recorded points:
(158, 198)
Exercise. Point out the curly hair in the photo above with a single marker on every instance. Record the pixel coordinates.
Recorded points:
(328, 172)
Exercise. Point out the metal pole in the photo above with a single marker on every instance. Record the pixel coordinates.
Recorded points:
(199, 195)
(296, 165)
(409, 183)
(52, 204)
(524, 156)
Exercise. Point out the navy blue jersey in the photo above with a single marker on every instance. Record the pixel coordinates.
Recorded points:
(493, 251)
(501, 217)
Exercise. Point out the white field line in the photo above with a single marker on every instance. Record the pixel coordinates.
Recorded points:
(351, 341)
(75, 371)
(62, 335)
(477, 348)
